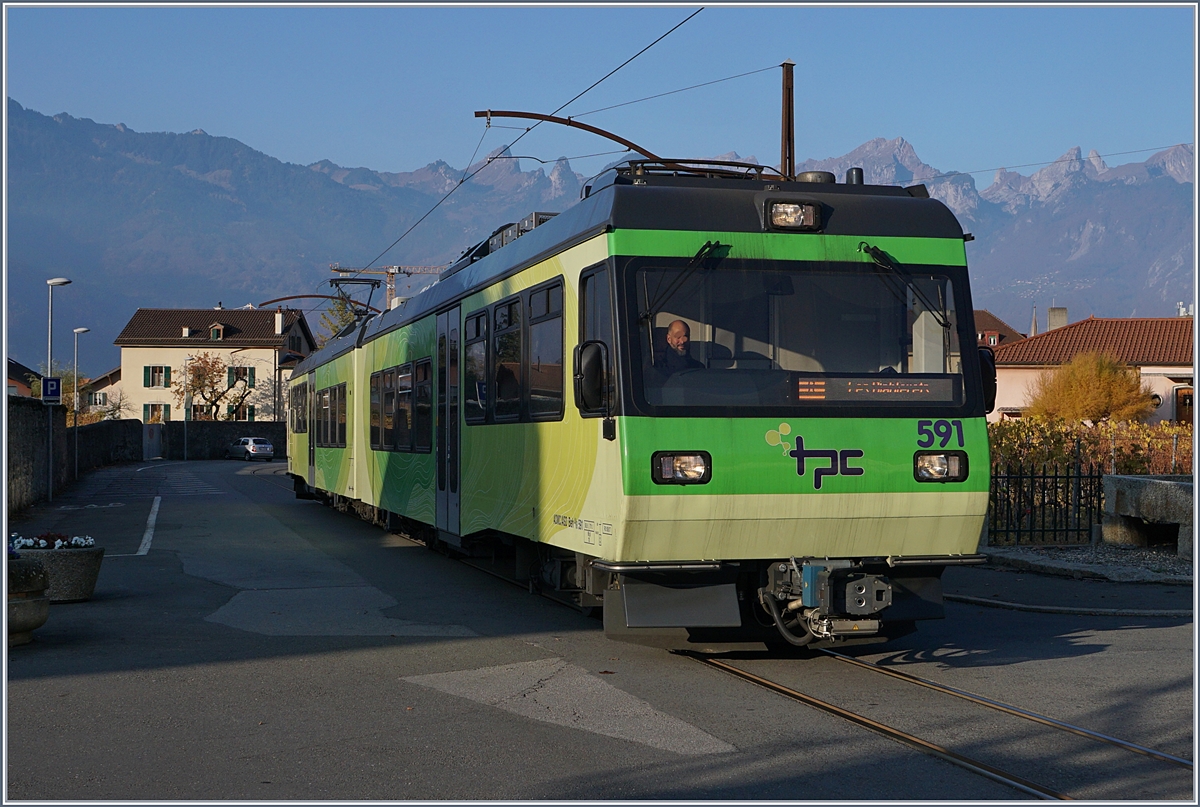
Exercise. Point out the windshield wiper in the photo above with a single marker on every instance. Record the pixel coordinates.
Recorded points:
(881, 259)
(702, 256)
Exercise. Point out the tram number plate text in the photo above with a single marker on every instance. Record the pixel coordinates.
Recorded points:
(931, 431)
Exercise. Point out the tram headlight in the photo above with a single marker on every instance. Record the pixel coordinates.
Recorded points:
(681, 467)
(795, 215)
(940, 466)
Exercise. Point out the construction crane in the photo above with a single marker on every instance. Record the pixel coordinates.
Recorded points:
(391, 272)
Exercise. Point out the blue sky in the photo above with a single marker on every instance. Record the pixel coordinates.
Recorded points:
(394, 88)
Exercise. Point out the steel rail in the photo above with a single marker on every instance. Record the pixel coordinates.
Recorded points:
(1015, 711)
(972, 765)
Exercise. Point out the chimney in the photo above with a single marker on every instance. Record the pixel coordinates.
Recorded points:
(186, 332)
(1033, 326)
(1056, 317)
(278, 322)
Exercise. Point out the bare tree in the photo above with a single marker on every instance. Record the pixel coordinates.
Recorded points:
(117, 406)
(207, 380)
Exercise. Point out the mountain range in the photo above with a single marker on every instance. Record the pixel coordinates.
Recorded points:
(190, 220)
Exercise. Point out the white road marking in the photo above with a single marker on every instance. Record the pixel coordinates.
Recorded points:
(149, 534)
(553, 691)
(162, 465)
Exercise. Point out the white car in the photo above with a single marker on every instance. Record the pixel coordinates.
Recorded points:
(250, 448)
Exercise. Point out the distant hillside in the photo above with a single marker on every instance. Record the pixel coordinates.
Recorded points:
(1113, 242)
(163, 219)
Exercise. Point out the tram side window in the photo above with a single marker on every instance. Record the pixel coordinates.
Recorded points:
(375, 383)
(389, 403)
(506, 360)
(475, 370)
(545, 369)
(403, 420)
(325, 418)
(302, 408)
(296, 413)
(423, 422)
(341, 413)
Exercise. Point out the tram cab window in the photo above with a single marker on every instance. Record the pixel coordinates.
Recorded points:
(475, 368)
(789, 335)
(596, 307)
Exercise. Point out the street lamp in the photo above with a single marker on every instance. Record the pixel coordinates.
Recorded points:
(51, 283)
(75, 425)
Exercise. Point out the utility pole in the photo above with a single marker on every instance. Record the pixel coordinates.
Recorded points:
(391, 272)
(787, 137)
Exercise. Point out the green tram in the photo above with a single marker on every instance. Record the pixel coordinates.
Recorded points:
(772, 429)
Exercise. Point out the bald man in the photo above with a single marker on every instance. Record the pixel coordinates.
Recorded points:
(676, 356)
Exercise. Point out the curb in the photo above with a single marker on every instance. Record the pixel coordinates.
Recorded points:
(1058, 609)
(998, 559)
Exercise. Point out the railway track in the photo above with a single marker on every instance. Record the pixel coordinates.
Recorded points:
(973, 765)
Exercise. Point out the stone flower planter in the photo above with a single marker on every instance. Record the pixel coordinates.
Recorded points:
(72, 572)
(28, 605)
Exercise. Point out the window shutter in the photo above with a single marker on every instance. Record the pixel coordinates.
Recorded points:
(229, 374)
(187, 413)
(250, 382)
(146, 376)
(145, 413)
(250, 410)
(229, 409)
(166, 412)
(166, 376)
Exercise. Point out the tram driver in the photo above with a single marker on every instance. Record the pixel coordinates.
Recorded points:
(676, 357)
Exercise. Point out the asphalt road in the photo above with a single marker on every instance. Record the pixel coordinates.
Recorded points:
(265, 648)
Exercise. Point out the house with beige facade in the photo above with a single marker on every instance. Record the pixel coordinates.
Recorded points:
(258, 347)
(1159, 349)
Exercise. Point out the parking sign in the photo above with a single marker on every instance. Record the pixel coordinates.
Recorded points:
(51, 390)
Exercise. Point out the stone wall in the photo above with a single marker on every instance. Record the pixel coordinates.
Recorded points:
(100, 444)
(1132, 502)
(208, 439)
(27, 450)
(106, 443)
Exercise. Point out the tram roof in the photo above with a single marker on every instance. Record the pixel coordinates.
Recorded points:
(660, 202)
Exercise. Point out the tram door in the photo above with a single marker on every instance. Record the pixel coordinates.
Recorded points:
(447, 421)
(310, 390)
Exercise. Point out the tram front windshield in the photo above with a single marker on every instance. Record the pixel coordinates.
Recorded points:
(844, 335)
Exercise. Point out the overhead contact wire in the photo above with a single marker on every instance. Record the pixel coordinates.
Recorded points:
(527, 131)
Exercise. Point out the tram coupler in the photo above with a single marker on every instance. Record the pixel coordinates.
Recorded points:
(829, 588)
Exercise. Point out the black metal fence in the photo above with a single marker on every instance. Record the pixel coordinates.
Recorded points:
(1050, 506)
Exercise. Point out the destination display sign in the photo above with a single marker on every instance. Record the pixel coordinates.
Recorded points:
(877, 388)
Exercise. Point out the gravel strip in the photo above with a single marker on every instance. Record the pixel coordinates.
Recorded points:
(1110, 561)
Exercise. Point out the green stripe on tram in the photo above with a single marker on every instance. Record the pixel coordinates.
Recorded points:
(751, 455)
(788, 246)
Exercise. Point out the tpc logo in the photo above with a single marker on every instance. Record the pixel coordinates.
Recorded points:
(839, 460)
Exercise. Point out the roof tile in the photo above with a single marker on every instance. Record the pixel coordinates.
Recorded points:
(1137, 341)
(243, 326)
